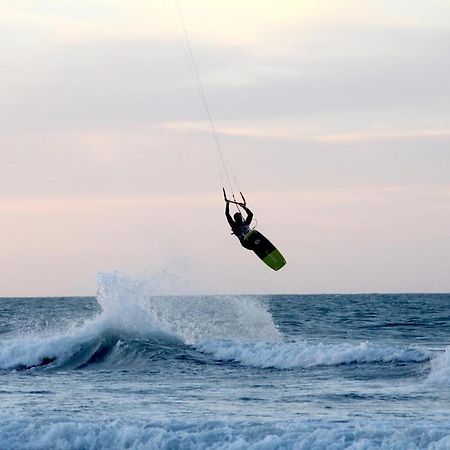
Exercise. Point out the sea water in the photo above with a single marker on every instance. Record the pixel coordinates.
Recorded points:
(132, 370)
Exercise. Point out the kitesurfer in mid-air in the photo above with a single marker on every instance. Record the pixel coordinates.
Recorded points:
(239, 226)
(252, 239)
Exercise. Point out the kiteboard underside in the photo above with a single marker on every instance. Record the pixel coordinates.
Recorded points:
(264, 249)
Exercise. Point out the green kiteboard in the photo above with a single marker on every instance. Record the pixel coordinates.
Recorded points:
(264, 249)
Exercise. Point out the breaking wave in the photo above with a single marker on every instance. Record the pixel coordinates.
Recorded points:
(306, 354)
(133, 323)
(440, 369)
(135, 327)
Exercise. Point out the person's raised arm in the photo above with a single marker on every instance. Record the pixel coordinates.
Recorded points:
(249, 218)
(227, 214)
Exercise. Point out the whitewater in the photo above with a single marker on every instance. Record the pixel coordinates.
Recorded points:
(132, 369)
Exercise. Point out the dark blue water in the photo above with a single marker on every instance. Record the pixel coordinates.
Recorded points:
(131, 370)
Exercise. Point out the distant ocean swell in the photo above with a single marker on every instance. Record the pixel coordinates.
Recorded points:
(27, 434)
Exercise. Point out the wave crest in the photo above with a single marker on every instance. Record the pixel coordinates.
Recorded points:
(306, 354)
(440, 369)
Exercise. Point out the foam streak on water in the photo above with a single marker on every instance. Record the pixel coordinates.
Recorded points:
(224, 435)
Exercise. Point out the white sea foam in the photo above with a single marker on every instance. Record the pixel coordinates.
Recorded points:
(35, 434)
(440, 369)
(308, 354)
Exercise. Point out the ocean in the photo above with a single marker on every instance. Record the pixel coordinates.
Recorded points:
(132, 370)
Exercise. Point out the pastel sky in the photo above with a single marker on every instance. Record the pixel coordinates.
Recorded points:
(334, 116)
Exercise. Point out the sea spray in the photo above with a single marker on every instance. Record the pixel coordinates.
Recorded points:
(192, 318)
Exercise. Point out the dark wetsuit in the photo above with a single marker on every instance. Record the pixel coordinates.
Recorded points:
(240, 229)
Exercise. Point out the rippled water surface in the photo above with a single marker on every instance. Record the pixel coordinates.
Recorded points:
(131, 370)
